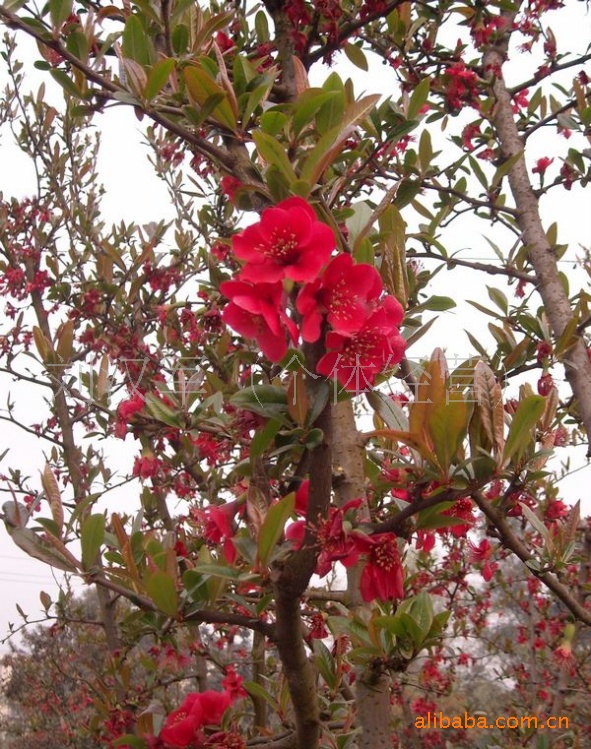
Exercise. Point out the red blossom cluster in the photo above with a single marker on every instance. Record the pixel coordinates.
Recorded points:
(382, 577)
(461, 86)
(337, 297)
(183, 727)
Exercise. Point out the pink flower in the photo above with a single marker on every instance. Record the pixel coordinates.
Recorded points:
(356, 359)
(563, 655)
(257, 311)
(288, 242)
(469, 133)
(345, 292)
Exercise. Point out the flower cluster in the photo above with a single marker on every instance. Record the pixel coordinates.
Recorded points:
(289, 250)
(182, 728)
(382, 577)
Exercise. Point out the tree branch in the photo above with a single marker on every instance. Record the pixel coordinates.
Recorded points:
(555, 299)
(510, 541)
(493, 270)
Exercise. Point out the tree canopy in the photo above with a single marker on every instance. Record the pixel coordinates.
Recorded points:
(322, 509)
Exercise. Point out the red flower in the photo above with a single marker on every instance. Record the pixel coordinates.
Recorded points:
(563, 656)
(230, 186)
(520, 100)
(301, 498)
(257, 311)
(377, 345)
(346, 291)
(556, 510)
(336, 545)
(288, 242)
(541, 165)
(146, 467)
(462, 510)
(469, 133)
(382, 578)
(224, 42)
(218, 526)
(232, 683)
(127, 409)
(182, 725)
(545, 384)
(198, 709)
(462, 86)
(482, 553)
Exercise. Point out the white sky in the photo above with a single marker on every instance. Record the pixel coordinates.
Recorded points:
(134, 194)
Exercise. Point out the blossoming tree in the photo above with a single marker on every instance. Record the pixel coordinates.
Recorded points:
(235, 347)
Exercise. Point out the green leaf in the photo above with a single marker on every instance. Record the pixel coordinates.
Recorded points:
(418, 99)
(77, 44)
(129, 740)
(261, 27)
(477, 169)
(37, 547)
(326, 664)
(195, 585)
(425, 150)
(535, 521)
(264, 437)
(274, 153)
(389, 411)
(272, 528)
(202, 87)
(497, 296)
(356, 55)
(217, 570)
(91, 539)
(330, 145)
(421, 610)
(64, 80)
(436, 304)
(265, 400)
(162, 590)
(256, 690)
(59, 10)
(161, 412)
(257, 96)
(180, 39)
(307, 105)
(134, 42)
(158, 77)
(447, 425)
(524, 421)
(273, 122)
